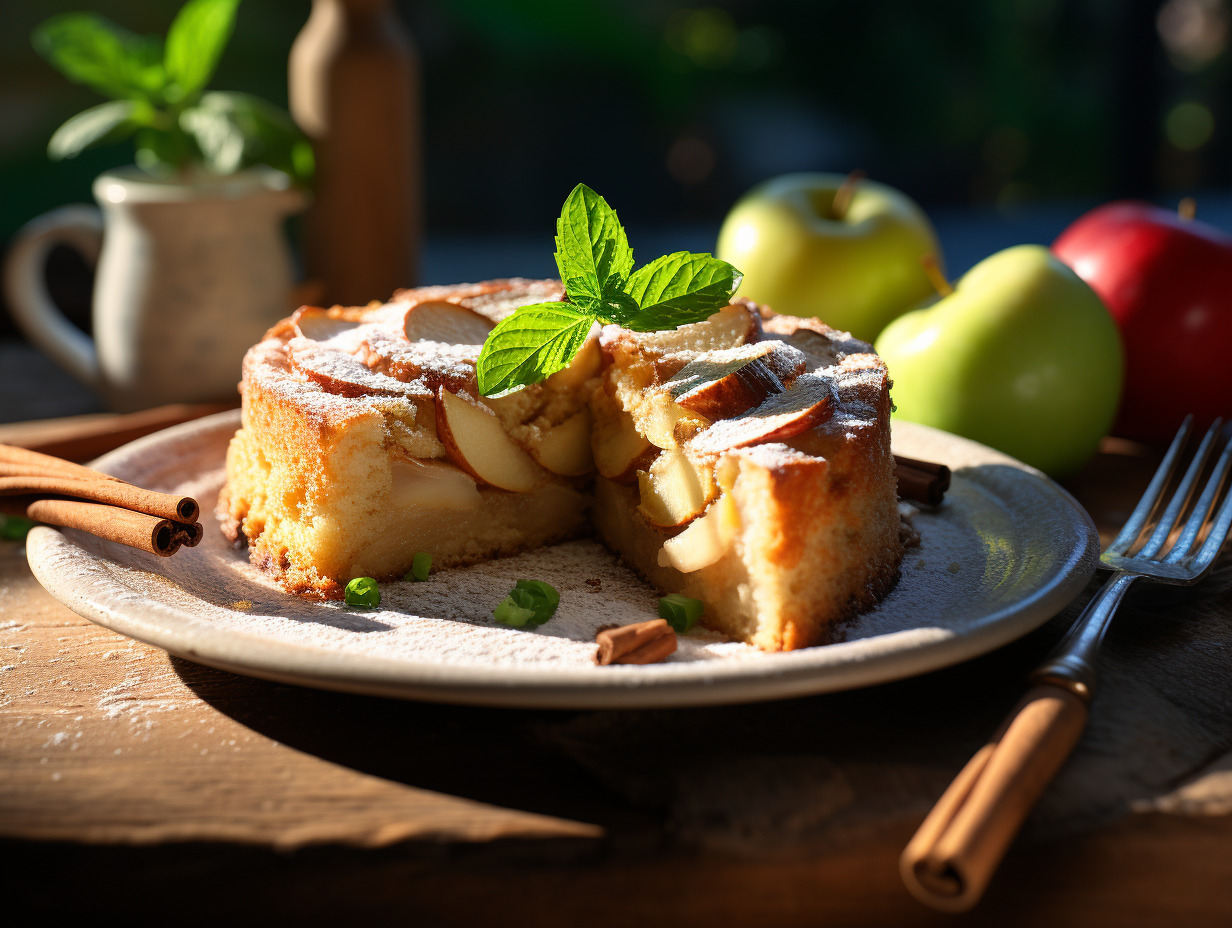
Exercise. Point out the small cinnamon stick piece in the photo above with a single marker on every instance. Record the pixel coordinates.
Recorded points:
(102, 490)
(641, 643)
(921, 481)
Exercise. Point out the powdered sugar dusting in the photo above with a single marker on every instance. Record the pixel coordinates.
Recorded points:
(976, 558)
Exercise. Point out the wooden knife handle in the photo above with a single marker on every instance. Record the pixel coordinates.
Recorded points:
(949, 862)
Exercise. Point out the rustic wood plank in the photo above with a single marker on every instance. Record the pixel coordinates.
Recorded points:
(785, 813)
(104, 739)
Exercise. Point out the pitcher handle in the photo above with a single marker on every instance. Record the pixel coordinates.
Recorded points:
(81, 228)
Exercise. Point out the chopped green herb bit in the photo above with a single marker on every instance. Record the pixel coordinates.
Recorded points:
(517, 609)
(14, 528)
(544, 592)
(363, 591)
(681, 612)
(530, 602)
(421, 564)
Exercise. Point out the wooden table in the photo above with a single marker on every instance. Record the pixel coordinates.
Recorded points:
(150, 787)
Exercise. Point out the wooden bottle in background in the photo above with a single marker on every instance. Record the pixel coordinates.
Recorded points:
(354, 90)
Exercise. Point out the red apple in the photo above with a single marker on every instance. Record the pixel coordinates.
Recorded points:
(1167, 281)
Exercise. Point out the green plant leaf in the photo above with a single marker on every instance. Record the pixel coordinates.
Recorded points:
(196, 41)
(536, 341)
(269, 135)
(678, 289)
(218, 136)
(89, 49)
(591, 246)
(161, 151)
(107, 122)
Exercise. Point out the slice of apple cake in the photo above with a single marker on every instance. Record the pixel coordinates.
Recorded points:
(362, 442)
(744, 460)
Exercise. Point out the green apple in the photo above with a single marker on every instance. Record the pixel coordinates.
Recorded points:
(854, 263)
(1022, 355)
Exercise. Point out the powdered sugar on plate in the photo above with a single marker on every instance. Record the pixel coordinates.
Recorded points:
(1006, 551)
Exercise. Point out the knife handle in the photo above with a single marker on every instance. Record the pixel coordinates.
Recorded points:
(949, 862)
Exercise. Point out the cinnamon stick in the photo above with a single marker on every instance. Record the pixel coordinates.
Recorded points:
(135, 529)
(23, 462)
(955, 852)
(58, 492)
(190, 535)
(921, 481)
(99, 490)
(640, 643)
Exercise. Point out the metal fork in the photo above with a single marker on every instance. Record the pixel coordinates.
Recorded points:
(948, 864)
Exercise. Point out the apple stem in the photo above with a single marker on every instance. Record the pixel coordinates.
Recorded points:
(842, 197)
(1187, 209)
(933, 271)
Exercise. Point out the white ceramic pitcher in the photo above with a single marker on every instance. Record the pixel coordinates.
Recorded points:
(188, 278)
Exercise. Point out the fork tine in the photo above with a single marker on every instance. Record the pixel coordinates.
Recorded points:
(1222, 519)
(1182, 494)
(1138, 518)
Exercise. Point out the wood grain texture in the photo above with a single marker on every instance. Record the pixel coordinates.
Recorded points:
(107, 740)
(121, 767)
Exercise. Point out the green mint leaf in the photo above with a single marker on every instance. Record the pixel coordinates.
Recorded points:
(609, 304)
(195, 42)
(107, 122)
(535, 341)
(678, 289)
(89, 49)
(591, 246)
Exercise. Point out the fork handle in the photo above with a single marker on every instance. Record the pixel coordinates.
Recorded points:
(948, 864)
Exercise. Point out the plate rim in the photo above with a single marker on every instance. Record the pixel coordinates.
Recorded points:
(705, 683)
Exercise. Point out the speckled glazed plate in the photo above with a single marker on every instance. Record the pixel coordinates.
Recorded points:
(1006, 551)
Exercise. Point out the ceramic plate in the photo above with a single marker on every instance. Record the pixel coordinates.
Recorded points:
(1006, 551)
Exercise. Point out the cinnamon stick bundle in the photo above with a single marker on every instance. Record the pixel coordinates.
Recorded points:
(921, 481)
(57, 492)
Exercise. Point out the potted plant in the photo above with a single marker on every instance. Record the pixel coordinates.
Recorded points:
(194, 265)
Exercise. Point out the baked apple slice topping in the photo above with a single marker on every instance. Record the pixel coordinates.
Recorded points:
(705, 540)
(782, 416)
(475, 440)
(620, 451)
(345, 375)
(731, 326)
(724, 383)
(565, 449)
(445, 323)
(418, 484)
(323, 326)
(675, 489)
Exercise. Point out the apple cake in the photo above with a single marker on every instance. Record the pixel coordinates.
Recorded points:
(743, 460)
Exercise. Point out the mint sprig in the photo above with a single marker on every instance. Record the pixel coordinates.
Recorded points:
(596, 266)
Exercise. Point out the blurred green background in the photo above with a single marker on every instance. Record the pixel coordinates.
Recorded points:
(672, 110)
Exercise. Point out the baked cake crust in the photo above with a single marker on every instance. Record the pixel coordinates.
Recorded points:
(744, 461)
